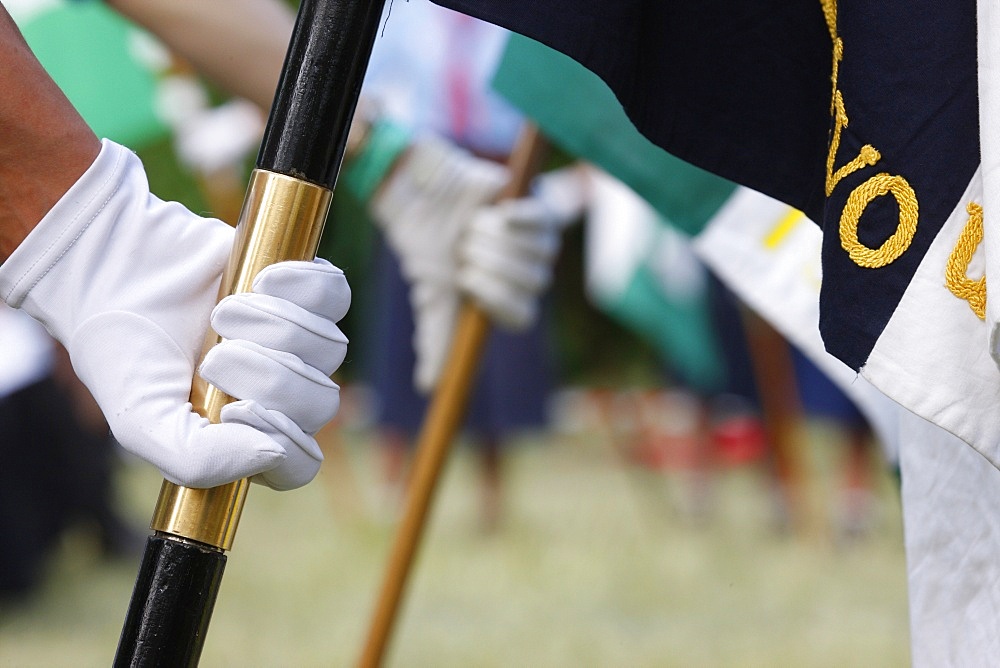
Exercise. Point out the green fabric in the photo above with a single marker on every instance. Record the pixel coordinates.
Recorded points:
(576, 110)
(365, 172)
(348, 241)
(90, 53)
(579, 113)
(679, 330)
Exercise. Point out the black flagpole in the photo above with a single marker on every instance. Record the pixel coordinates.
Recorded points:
(286, 205)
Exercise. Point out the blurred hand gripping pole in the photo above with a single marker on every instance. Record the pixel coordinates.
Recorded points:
(443, 419)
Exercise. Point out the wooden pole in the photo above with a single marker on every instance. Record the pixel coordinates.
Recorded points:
(774, 372)
(443, 419)
(282, 218)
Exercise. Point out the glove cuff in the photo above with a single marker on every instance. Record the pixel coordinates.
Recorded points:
(89, 245)
(63, 225)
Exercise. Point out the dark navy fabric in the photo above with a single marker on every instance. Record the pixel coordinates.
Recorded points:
(743, 89)
(908, 80)
(691, 77)
(821, 397)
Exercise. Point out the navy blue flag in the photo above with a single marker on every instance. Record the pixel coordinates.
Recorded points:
(691, 77)
(865, 116)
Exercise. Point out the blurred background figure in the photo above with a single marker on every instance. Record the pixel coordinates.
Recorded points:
(855, 503)
(642, 273)
(58, 459)
(428, 80)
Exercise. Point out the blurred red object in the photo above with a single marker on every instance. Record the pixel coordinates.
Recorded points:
(739, 440)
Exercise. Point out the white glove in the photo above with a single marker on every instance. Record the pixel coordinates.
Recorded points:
(507, 251)
(127, 283)
(422, 208)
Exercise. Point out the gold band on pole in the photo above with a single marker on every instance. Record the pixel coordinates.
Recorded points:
(281, 219)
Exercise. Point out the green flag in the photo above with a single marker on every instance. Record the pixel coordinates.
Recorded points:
(105, 66)
(639, 269)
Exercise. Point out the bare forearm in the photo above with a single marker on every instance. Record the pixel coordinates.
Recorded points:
(44, 143)
(240, 44)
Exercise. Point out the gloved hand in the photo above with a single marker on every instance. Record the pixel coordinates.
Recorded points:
(422, 207)
(127, 283)
(507, 251)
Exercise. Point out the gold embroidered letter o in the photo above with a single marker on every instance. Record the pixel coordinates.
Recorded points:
(858, 201)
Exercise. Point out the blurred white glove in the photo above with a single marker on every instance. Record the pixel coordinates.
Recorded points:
(422, 208)
(127, 283)
(207, 138)
(506, 253)
(219, 137)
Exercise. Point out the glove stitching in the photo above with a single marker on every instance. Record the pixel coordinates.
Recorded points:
(28, 270)
(131, 315)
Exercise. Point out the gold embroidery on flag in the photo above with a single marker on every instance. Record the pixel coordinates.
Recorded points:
(830, 14)
(859, 199)
(838, 55)
(956, 278)
(877, 186)
(867, 157)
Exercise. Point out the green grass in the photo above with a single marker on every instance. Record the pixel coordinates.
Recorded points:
(593, 566)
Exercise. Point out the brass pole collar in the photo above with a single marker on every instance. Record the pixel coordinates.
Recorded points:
(282, 219)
